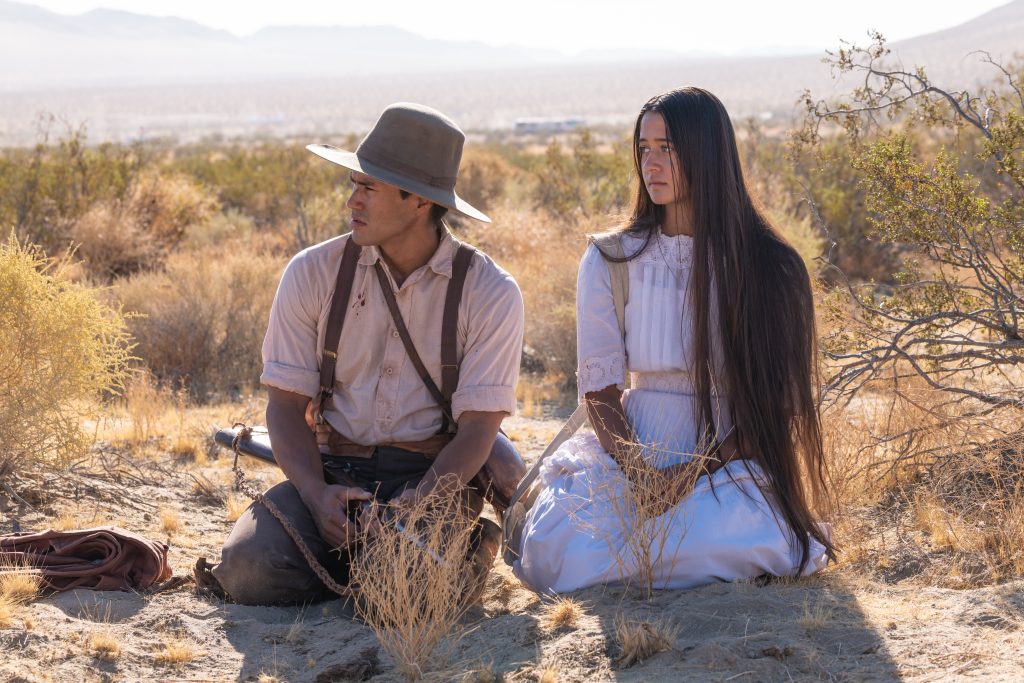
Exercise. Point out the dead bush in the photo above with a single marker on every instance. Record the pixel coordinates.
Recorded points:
(924, 492)
(120, 237)
(542, 252)
(412, 579)
(200, 322)
(483, 177)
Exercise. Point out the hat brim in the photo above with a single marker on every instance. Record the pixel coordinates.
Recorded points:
(353, 162)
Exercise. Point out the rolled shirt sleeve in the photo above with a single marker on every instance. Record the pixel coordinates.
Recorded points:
(491, 317)
(290, 348)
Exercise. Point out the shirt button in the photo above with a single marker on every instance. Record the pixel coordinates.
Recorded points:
(388, 370)
(394, 333)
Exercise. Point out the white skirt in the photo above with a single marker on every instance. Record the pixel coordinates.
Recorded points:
(576, 534)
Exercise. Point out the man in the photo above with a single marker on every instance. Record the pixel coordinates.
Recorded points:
(380, 425)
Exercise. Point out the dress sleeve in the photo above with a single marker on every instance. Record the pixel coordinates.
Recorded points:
(600, 349)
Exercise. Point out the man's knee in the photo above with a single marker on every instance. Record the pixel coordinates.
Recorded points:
(261, 564)
(501, 473)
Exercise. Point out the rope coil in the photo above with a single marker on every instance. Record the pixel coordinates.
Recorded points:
(244, 432)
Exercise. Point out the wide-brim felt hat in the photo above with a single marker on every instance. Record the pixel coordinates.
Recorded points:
(416, 149)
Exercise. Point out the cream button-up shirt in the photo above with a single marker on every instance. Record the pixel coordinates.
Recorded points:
(378, 397)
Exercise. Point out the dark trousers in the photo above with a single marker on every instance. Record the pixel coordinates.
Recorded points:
(261, 565)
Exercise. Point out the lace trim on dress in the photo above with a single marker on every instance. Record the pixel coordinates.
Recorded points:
(675, 251)
(671, 382)
(600, 372)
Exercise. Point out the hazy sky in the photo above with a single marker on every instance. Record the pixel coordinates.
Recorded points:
(724, 26)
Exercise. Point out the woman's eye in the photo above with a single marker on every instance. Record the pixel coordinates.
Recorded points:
(666, 148)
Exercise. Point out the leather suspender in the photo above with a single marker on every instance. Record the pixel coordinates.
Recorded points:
(449, 335)
(449, 329)
(335, 321)
(450, 324)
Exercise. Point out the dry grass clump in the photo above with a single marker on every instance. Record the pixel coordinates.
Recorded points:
(534, 390)
(19, 586)
(412, 578)
(175, 650)
(104, 645)
(146, 403)
(562, 613)
(815, 616)
(207, 491)
(170, 521)
(234, 506)
(60, 349)
(639, 640)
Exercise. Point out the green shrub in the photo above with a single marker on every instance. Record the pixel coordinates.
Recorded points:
(583, 179)
(60, 349)
(44, 190)
(268, 182)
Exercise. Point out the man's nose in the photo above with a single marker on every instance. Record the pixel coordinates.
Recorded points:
(353, 199)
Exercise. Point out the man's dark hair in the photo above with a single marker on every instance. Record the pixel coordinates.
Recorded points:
(437, 212)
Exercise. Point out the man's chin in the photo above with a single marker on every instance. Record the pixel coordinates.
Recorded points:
(360, 237)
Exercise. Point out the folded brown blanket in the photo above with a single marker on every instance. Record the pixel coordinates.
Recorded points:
(104, 558)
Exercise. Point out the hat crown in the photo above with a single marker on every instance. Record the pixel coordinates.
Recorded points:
(416, 141)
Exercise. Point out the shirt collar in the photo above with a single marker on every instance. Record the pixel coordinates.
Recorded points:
(440, 262)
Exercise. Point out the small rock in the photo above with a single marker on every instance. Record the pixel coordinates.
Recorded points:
(359, 668)
(779, 653)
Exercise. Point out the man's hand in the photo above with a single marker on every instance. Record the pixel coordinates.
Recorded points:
(329, 506)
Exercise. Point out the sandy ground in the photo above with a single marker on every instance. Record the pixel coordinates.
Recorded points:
(837, 626)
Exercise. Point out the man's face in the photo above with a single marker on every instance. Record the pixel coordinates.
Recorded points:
(380, 215)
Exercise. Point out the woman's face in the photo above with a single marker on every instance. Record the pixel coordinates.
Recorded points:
(659, 163)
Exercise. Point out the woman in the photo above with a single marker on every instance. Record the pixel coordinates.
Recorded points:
(719, 338)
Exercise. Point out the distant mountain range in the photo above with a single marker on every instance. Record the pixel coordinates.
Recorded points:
(107, 47)
(127, 75)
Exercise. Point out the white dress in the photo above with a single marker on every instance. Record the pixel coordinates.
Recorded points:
(575, 535)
